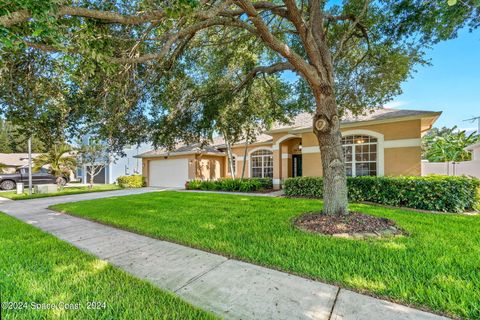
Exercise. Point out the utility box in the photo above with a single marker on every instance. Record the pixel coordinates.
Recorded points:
(20, 187)
(45, 188)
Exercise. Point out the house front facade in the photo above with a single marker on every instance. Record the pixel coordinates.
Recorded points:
(14, 161)
(124, 165)
(386, 142)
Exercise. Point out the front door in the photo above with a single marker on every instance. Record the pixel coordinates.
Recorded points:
(297, 165)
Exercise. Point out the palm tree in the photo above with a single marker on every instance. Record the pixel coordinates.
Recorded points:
(59, 162)
(448, 145)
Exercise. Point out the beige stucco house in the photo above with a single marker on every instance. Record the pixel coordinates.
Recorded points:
(13, 161)
(385, 142)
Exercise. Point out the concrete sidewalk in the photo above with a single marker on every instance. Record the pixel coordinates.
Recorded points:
(229, 288)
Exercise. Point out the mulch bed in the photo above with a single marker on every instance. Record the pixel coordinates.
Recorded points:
(355, 224)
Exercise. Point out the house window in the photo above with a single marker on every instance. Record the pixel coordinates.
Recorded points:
(360, 154)
(262, 164)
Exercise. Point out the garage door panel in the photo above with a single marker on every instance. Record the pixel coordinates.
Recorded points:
(168, 173)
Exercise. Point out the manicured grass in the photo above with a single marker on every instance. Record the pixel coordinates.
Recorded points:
(66, 191)
(437, 266)
(37, 268)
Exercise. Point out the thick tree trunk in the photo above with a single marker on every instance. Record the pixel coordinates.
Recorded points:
(326, 125)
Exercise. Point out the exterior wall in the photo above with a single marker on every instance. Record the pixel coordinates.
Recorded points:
(476, 154)
(121, 166)
(128, 165)
(399, 148)
(238, 152)
(393, 130)
(312, 162)
(284, 146)
(202, 167)
(403, 161)
(399, 153)
(209, 167)
(468, 168)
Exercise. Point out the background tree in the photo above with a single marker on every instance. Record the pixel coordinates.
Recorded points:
(34, 97)
(2, 167)
(94, 156)
(448, 144)
(348, 57)
(59, 161)
(12, 141)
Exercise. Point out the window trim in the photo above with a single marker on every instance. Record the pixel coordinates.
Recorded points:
(354, 145)
(380, 146)
(250, 168)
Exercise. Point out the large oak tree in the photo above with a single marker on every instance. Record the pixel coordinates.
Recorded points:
(175, 64)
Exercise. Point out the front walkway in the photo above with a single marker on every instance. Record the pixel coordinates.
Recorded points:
(229, 288)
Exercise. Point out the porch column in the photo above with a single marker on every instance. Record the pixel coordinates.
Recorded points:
(277, 166)
(285, 162)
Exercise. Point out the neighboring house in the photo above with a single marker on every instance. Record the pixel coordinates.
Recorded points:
(13, 161)
(119, 166)
(467, 168)
(475, 150)
(385, 142)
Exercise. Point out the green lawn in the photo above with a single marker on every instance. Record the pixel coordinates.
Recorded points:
(66, 191)
(436, 267)
(37, 268)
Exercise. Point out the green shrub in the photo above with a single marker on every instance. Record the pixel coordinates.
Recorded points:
(250, 185)
(438, 193)
(193, 185)
(266, 183)
(134, 181)
(233, 185)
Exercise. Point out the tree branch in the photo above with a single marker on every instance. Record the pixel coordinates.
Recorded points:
(105, 16)
(169, 39)
(295, 17)
(274, 43)
(274, 68)
(355, 24)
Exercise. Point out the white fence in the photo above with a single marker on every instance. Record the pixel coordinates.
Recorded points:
(468, 168)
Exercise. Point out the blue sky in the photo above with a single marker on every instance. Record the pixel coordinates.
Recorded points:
(451, 84)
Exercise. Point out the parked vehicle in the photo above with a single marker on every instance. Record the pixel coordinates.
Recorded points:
(9, 181)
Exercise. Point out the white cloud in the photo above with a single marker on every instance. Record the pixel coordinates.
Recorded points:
(396, 104)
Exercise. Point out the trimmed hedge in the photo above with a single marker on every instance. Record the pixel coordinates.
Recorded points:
(435, 192)
(228, 184)
(134, 181)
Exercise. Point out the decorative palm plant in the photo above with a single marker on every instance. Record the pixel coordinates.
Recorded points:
(59, 161)
(448, 145)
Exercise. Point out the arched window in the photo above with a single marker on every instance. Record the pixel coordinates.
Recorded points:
(262, 164)
(360, 154)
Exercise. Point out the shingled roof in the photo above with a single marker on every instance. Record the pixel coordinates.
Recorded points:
(304, 120)
(183, 149)
(299, 122)
(16, 159)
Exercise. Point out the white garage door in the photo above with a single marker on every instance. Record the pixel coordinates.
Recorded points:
(168, 173)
